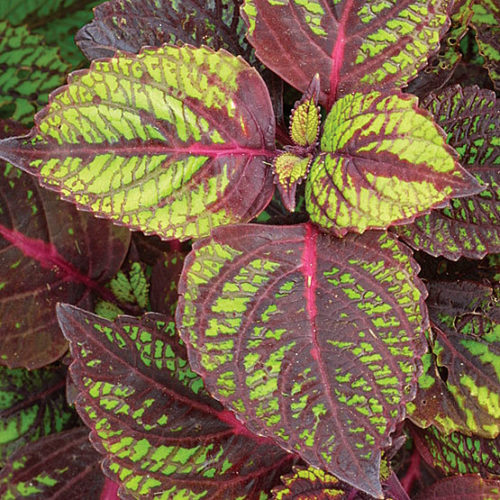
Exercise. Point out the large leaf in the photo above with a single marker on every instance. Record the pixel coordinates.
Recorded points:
(32, 405)
(312, 340)
(486, 22)
(49, 252)
(457, 453)
(132, 24)
(162, 435)
(62, 465)
(460, 388)
(30, 70)
(171, 141)
(471, 487)
(470, 227)
(384, 161)
(352, 44)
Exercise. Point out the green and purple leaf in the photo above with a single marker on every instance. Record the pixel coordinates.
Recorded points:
(312, 340)
(131, 24)
(460, 387)
(59, 466)
(470, 227)
(30, 70)
(469, 486)
(32, 405)
(49, 252)
(443, 64)
(354, 45)
(163, 436)
(457, 453)
(310, 484)
(171, 141)
(384, 162)
(486, 22)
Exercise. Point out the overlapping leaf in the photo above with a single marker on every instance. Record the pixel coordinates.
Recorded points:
(49, 253)
(132, 24)
(470, 227)
(30, 70)
(309, 484)
(471, 487)
(312, 340)
(457, 453)
(162, 434)
(384, 161)
(352, 44)
(486, 22)
(170, 141)
(442, 65)
(32, 405)
(460, 387)
(62, 465)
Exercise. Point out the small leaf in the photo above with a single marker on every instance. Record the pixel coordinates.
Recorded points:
(309, 484)
(471, 487)
(457, 453)
(32, 405)
(62, 465)
(305, 118)
(384, 162)
(311, 340)
(30, 70)
(162, 435)
(49, 252)
(131, 24)
(470, 227)
(486, 22)
(171, 141)
(352, 44)
(289, 171)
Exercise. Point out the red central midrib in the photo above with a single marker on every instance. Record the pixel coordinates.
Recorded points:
(10, 150)
(48, 257)
(337, 55)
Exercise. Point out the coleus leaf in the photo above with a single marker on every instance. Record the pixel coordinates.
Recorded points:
(470, 226)
(468, 486)
(311, 340)
(49, 252)
(290, 167)
(170, 141)
(457, 453)
(57, 466)
(486, 22)
(353, 45)
(32, 405)
(131, 24)
(384, 161)
(460, 387)
(309, 484)
(30, 70)
(442, 65)
(162, 435)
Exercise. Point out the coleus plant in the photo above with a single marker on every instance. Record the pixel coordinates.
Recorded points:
(276, 355)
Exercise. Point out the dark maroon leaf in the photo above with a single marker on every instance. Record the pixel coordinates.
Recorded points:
(60, 466)
(310, 339)
(131, 24)
(32, 405)
(470, 227)
(470, 487)
(352, 44)
(49, 252)
(162, 435)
